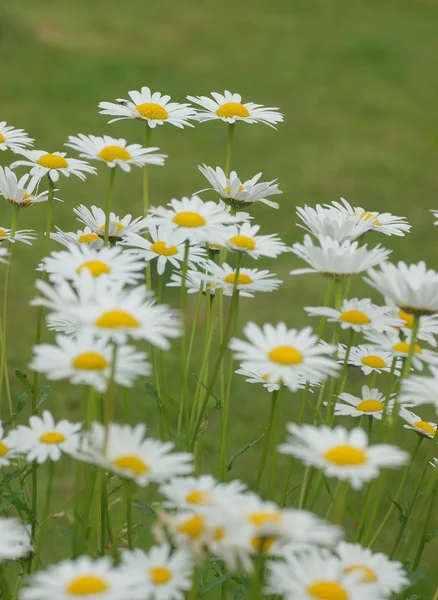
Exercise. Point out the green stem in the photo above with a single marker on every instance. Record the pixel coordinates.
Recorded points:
(42, 530)
(327, 298)
(267, 439)
(109, 399)
(342, 380)
(228, 149)
(433, 490)
(128, 497)
(184, 405)
(108, 204)
(274, 444)
(147, 143)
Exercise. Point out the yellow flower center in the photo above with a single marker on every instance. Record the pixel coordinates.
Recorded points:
(373, 361)
(404, 348)
(368, 575)
(52, 161)
(243, 241)
(370, 405)
(242, 279)
(3, 233)
(198, 497)
(355, 317)
(345, 456)
(239, 189)
(262, 544)
(265, 518)
(189, 219)
(164, 249)
(87, 238)
(327, 590)
(193, 527)
(131, 463)
(3, 449)
(119, 227)
(96, 267)
(90, 361)
(286, 355)
(52, 437)
(406, 317)
(232, 109)
(85, 585)
(110, 153)
(2, 138)
(160, 575)
(153, 111)
(366, 216)
(219, 534)
(426, 427)
(117, 319)
(27, 198)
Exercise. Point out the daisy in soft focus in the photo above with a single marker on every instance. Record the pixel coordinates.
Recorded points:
(194, 282)
(323, 222)
(3, 255)
(6, 453)
(202, 493)
(244, 238)
(129, 453)
(44, 439)
(15, 191)
(114, 152)
(390, 341)
(335, 259)
(52, 164)
(375, 570)
(228, 107)
(158, 574)
(253, 376)
(95, 219)
(427, 326)
(286, 354)
(86, 359)
(413, 288)
(81, 237)
(14, 539)
(385, 223)
(371, 403)
(75, 580)
(417, 390)
(235, 192)
(166, 245)
(340, 453)
(25, 236)
(371, 359)
(13, 139)
(248, 280)
(417, 424)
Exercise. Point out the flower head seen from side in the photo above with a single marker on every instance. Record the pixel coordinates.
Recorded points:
(243, 238)
(340, 453)
(194, 282)
(237, 193)
(323, 222)
(371, 403)
(114, 152)
(3, 255)
(14, 539)
(370, 358)
(427, 326)
(152, 107)
(6, 452)
(248, 280)
(254, 376)
(79, 238)
(52, 164)
(18, 192)
(129, 453)
(385, 223)
(26, 236)
(228, 107)
(418, 390)
(44, 439)
(391, 342)
(12, 138)
(416, 423)
(335, 259)
(95, 219)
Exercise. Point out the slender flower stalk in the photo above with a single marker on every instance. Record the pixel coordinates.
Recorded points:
(229, 148)
(108, 204)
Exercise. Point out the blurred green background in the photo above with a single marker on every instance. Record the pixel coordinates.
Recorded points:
(358, 85)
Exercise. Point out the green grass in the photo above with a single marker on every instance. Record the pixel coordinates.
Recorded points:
(357, 82)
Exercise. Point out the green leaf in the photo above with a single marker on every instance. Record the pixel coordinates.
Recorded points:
(145, 508)
(239, 593)
(241, 451)
(44, 394)
(172, 403)
(430, 535)
(215, 583)
(151, 390)
(419, 574)
(218, 404)
(65, 532)
(22, 378)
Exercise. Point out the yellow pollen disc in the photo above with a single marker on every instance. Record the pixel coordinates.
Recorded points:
(242, 279)
(110, 153)
(377, 223)
(219, 534)
(327, 590)
(87, 585)
(52, 161)
(153, 111)
(286, 355)
(3, 233)
(370, 405)
(2, 138)
(119, 227)
(25, 198)
(131, 463)
(96, 267)
(90, 361)
(198, 497)
(164, 249)
(232, 109)
(239, 189)
(404, 347)
(3, 449)
(355, 317)
(52, 437)
(193, 527)
(243, 241)
(375, 362)
(262, 544)
(368, 575)
(265, 518)
(266, 376)
(189, 219)
(117, 319)
(345, 456)
(87, 238)
(160, 575)
(423, 425)
(406, 317)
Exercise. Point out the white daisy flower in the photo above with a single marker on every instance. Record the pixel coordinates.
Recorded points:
(6, 452)
(235, 192)
(417, 390)
(159, 574)
(25, 236)
(248, 280)
(12, 138)
(114, 152)
(416, 423)
(282, 353)
(244, 238)
(3, 255)
(52, 164)
(117, 265)
(413, 288)
(377, 572)
(166, 245)
(340, 453)
(390, 341)
(44, 439)
(14, 539)
(129, 453)
(82, 236)
(16, 192)
(229, 108)
(263, 378)
(75, 580)
(427, 327)
(385, 223)
(86, 359)
(154, 108)
(359, 315)
(370, 359)
(201, 493)
(194, 282)
(336, 259)
(95, 219)
(371, 403)
(323, 222)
